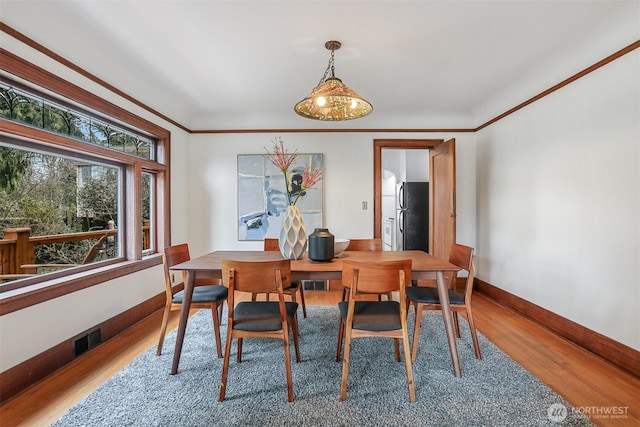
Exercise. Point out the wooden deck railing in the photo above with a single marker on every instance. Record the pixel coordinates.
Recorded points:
(18, 247)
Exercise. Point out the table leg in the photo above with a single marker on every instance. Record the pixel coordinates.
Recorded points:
(184, 317)
(448, 323)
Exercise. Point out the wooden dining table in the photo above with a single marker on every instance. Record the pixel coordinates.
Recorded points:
(423, 265)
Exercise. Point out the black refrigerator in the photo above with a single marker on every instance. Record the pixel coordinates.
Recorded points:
(413, 216)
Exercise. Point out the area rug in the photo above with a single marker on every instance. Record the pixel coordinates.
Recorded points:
(494, 391)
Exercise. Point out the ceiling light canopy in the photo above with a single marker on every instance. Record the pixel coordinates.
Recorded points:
(332, 100)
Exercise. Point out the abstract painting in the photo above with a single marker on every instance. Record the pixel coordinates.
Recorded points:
(262, 197)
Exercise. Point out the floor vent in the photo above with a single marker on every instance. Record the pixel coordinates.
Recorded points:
(87, 341)
(314, 285)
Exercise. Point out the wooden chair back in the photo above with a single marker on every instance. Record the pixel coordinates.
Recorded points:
(271, 244)
(365, 245)
(174, 255)
(462, 256)
(376, 277)
(256, 276)
(360, 245)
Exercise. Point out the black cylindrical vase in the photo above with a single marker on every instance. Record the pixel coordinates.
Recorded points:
(321, 245)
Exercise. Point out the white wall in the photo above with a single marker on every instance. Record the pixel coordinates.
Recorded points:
(417, 165)
(348, 182)
(558, 193)
(28, 332)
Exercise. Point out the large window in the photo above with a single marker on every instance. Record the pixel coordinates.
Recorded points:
(50, 198)
(82, 182)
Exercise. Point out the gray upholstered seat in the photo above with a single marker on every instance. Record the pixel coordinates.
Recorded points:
(203, 294)
(425, 295)
(373, 315)
(261, 315)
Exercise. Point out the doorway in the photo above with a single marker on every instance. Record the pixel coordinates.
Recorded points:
(405, 199)
(441, 193)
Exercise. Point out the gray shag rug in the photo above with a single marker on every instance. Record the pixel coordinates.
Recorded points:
(494, 391)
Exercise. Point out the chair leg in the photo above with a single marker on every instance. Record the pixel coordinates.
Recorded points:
(239, 356)
(396, 344)
(345, 364)
(416, 331)
(407, 362)
(456, 324)
(225, 364)
(296, 342)
(163, 328)
(340, 338)
(220, 309)
(287, 365)
(294, 299)
(302, 302)
(474, 334)
(216, 328)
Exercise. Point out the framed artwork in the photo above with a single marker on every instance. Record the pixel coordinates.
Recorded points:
(262, 197)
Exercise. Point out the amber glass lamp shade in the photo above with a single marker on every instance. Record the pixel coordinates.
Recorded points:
(332, 100)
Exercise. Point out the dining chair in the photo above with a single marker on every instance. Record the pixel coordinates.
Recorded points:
(271, 244)
(366, 318)
(427, 298)
(359, 245)
(262, 319)
(206, 294)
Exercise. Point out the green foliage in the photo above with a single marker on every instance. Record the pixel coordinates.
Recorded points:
(101, 195)
(10, 101)
(13, 166)
(46, 196)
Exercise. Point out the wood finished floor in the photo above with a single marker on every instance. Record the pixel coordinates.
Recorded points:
(583, 379)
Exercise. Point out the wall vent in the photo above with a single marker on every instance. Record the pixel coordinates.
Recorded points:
(87, 341)
(314, 285)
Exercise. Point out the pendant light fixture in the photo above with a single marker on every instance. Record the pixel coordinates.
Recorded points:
(332, 100)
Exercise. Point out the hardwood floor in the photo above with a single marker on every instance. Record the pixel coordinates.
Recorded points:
(586, 381)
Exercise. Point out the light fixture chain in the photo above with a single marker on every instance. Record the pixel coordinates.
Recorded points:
(329, 67)
(331, 62)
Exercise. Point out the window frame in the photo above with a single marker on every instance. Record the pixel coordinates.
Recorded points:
(35, 290)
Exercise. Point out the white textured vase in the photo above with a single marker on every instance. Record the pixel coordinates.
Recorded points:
(293, 235)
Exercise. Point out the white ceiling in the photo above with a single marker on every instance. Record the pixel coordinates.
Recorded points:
(213, 64)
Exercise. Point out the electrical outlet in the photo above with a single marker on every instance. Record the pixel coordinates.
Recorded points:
(364, 205)
(173, 278)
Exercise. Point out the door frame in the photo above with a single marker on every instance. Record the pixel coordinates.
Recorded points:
(378, 145)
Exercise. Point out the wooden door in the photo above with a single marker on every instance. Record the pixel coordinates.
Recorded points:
(442, 175)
